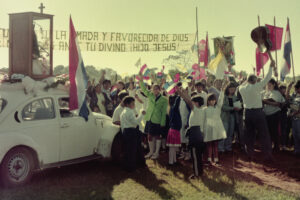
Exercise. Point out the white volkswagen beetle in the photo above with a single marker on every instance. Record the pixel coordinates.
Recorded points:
(39, 132)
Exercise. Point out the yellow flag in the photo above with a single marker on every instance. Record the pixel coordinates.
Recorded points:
(168, 79)
(218, 65)
(213, 65)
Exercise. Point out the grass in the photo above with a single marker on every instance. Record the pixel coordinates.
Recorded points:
(101, 180)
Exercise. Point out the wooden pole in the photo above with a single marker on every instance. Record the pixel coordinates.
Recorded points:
(260, 57)
(197, 36)
(275, 48)
(292, 57)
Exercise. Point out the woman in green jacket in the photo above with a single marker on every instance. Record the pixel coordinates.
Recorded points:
(155, 117)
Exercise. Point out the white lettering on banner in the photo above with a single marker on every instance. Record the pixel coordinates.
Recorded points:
(114, 42)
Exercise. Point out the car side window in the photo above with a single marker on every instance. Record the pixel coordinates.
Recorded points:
(38, 110)
(64, 108)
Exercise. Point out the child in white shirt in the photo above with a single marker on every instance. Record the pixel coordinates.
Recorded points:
(131, 135)
(195, 131)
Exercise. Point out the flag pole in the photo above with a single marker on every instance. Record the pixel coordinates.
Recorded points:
(275, 47)
(292, 57)
(197, 36)
(260, 55)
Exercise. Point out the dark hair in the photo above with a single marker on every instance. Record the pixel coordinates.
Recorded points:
(106, 81)
(211, 97)
(98, 85)
(199, 84)
(179, 84)
(156, 86)
(198, 99)
(231, 85)
(128, 100)
(121, 83)
(122, 95)
(297, 86)
(193, 94)
(273, 82)
(252, 78)
(282, 87)
(172, 100)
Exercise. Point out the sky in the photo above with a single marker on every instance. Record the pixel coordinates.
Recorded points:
(217, 17)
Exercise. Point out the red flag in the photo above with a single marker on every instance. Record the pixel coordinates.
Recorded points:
(276, 43)
(206, 52)
(198, 73)
(176, 78)
(261, 60)
(201, 50)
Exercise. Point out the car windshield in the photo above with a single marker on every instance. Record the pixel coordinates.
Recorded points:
(2, 104)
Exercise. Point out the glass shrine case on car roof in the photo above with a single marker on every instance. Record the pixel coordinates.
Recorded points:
(31, 44)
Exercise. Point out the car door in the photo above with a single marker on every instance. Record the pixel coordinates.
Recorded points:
(77, 136)
(40, 123)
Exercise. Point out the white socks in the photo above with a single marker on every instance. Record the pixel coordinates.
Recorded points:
(151, 148)
(172, 155)
(157, 148)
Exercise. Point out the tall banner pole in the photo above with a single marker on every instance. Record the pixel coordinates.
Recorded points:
(292, 57)
(275, 47)
(197, 36)
(260, 56)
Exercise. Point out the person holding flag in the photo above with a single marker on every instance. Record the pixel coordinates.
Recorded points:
(155, 117)
(254, 116)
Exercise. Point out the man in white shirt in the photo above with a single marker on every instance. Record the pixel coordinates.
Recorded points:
(255, 118)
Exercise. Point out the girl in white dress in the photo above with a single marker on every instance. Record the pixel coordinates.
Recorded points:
(213, 125)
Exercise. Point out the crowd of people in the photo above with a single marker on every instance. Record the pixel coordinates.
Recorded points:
(202, 121)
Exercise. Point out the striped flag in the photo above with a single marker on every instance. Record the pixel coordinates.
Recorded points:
(286, 54)
(77, 75)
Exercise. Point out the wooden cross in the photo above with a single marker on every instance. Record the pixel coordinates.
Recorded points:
(42, 7)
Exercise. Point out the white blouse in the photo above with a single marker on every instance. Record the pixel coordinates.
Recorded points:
(197, 117)
(129, 119)
(276, 96)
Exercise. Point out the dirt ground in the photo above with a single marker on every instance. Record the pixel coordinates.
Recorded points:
(235, 178)
(284, 173)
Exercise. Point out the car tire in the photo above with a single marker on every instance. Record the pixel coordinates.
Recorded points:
(17, 167)
(117, 152)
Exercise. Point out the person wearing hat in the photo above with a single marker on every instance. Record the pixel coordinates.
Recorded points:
(255, 118)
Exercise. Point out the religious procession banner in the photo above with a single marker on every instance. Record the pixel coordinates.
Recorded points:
(114, 41)
(226, 46)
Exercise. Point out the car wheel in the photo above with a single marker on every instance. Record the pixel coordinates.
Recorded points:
(17, 167)
(117, 152)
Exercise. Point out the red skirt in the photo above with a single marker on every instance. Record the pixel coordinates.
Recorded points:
(173, 139)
